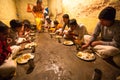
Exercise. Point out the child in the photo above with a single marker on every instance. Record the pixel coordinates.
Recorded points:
(58, 27)
(7, 65)
(27, 28)
(15, 30)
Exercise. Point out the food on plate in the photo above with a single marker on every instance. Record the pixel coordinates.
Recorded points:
(24, 58)
(86, 55)
(27, 56)
(32, 34)
(79, 54)
(58, 36)
(20, 40)
(32, 31)
(29, 45)
(68, 43)
(52, 33)
(20, 60)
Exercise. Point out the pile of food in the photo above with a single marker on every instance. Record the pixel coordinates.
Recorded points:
(29, 45)
(68, 42)
(86, 56)
(57, 36)
(32, 34)
(24, 58)
(52, 33)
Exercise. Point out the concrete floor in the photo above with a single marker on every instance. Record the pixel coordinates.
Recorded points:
(55, 61)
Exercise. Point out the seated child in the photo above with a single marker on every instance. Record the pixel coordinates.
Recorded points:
(7, 65)
(76, 31)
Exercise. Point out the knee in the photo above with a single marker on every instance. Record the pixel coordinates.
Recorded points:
(116, 59)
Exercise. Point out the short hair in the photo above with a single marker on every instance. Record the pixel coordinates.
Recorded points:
(65, 16)
(73, 22)
(107, 13)
(39, 1)
(15, 23)
(3, 27)
(27, 23)
(18, 23)
(48, 20)
(56, 22)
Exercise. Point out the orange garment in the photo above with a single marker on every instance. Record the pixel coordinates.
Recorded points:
(38, 23)
(59, 26)
(53, 29)
(38, 14)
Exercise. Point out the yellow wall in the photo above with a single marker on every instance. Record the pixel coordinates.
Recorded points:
(21, 6)
(22, 9)
(85, 11)
(55, 7)
(7, 11)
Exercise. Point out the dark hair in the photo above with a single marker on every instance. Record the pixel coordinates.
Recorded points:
(39, 1)
(27, 23)
(108, 13)
(56, 22)
(18, 23)
(65, 16)
(73, 22)
(15, 23)
(48, 20)
(3, 27)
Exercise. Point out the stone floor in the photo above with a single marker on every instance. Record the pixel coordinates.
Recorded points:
(55, 61)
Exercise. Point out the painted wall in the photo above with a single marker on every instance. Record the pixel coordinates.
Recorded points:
(55, 7)
(7, 11)
(16, 9)
(21, 6)
(85, 11)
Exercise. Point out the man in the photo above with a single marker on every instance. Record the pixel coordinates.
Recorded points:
(109, 30)
(76, 31)
(66, 23)
(7, 65)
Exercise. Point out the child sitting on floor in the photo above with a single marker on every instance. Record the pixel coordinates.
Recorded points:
(7, 65)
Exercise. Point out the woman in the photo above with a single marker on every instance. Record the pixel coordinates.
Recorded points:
(38, 14)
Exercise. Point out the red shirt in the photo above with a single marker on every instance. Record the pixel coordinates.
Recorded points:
(4, 51)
